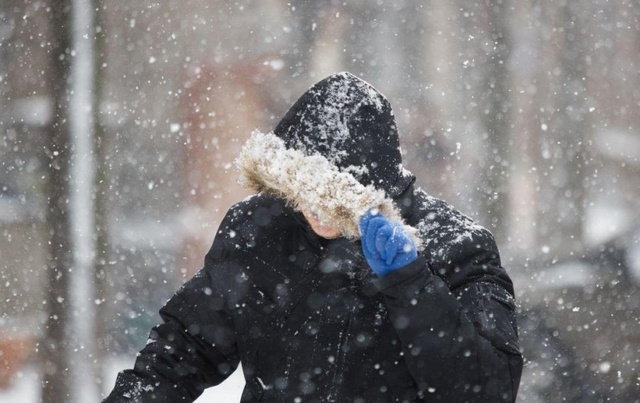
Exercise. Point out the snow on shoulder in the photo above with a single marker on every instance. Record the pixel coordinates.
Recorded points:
(312, 183)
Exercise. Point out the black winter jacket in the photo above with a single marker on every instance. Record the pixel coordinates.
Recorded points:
(310, 323)
(306, 316)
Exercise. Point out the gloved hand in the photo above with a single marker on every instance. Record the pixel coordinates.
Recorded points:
(385, 244)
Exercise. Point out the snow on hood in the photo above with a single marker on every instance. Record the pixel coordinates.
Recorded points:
(352, 125)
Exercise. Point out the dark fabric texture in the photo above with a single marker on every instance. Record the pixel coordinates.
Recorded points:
(309, 320)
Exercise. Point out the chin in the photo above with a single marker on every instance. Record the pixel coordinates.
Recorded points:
(330, 236)
(326, 233)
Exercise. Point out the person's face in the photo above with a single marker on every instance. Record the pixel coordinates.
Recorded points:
(323, 229)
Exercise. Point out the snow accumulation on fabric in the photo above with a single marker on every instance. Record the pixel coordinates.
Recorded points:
(340, 101)
(311, 183)
(336, 106)
(438, 235)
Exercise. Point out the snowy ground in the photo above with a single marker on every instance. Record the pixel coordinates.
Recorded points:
(26, 388)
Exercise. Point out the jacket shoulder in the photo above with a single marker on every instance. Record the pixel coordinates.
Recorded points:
(439, 223)
(457, 248)
(246, 222)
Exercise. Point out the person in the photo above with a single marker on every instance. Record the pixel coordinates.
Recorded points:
(339, 280)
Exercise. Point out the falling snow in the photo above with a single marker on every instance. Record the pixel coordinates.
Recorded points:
(523, 117)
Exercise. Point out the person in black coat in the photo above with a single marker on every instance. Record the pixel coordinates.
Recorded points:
(339, 280)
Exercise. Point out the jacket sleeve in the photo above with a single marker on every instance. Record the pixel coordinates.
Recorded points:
(459, 345)
(194, 348)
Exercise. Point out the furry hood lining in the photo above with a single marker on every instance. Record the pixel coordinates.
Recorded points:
(312, 183)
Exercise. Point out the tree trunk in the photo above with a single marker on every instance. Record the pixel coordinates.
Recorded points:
(56, 380)
(561, 203)
(572, 132)
(495, 114)
(101, 186)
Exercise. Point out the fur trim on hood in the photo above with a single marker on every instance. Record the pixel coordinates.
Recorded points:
(312, 183)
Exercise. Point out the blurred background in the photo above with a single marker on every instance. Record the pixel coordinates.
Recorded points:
(120, 121)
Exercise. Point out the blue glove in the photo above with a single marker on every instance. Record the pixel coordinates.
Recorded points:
(385, 244)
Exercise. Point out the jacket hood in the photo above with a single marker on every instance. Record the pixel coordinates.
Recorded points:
(336, 153)
(349, 122)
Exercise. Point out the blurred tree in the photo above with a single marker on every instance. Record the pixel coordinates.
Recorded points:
(484, 45)
(495, 116)
(523, 68)
(56, 382)
(562, 152)
(102, 187)
(305, 16)
(572, 130)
